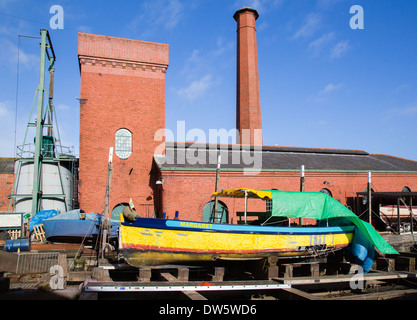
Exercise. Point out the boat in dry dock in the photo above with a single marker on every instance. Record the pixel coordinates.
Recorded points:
(77, 227)
(151, 241)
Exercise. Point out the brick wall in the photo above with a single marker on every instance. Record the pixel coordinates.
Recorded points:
(189, 191)
(6, 188)
(122, 86)
(6, 182)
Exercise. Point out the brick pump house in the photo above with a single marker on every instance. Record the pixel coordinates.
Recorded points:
(123, 106)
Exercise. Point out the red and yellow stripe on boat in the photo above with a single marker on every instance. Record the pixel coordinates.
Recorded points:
(158, 241)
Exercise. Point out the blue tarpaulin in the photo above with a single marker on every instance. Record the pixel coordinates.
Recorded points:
(361, 251)
(75, 224)
(40, 216)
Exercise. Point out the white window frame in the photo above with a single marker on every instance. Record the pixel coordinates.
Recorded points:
(123, 143)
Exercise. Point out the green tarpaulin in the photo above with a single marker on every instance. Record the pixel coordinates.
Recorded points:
(320, 206)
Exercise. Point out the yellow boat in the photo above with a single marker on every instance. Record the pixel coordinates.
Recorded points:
(157, 241)
(149, 241)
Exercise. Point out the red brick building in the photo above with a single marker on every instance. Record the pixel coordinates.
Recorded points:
(341, 173)
(123, 106)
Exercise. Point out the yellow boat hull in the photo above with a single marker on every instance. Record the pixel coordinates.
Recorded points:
(159, 242)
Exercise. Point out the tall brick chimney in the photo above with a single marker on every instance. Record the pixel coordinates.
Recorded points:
(248, 104)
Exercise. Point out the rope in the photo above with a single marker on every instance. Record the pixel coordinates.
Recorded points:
(17, 95)
(82, 242)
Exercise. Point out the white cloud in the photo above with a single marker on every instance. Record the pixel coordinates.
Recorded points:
(262, 6)
(401, 88)
(404, 111)
(197, 88)
(339, 49)
(262, 26)
(6, 129)
(63, 107)
(170, 14)
(410, 110)
(311, 24)
(5, 3)
(157, 14)
(202, 61)
(10, 53)
(331, 87)
(328, 46)
(316, 47)
(195, 65)
(326, 4)
(4, 108)
(86, 29)
(222, 46)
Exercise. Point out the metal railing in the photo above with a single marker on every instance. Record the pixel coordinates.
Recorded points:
(27, 150)
(28, 262)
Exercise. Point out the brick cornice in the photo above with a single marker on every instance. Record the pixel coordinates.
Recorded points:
(122, 64)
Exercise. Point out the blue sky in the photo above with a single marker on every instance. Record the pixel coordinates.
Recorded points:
(323, 84)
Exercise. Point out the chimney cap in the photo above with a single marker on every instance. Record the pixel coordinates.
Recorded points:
(241, 10)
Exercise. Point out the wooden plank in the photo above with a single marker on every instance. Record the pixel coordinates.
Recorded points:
(169, 277)
(183, 274)
(405, 264)
(14, 234)
(385, 264)
(341, 278)
(144, 274)
(271, 267)
(101, 274)
(288, 268)
(193, 295)
(78, 276)
(39, 233)
(218, 274)
(302, 294)
(315, 270)
(378, 295)
(62, 261)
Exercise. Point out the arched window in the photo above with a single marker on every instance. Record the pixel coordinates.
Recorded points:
(405, 189)
(118, 210)
(326, 191)
(221, 216)
(123, 143)
(365, 198)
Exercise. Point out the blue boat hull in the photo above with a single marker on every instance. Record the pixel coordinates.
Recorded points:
(74, 231)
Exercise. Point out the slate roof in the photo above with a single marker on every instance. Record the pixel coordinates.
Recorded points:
(7, 165)
(191, 156)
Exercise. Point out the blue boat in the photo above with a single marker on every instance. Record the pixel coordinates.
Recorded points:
(77, 227)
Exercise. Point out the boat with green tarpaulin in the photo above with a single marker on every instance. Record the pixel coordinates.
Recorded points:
(152, 241)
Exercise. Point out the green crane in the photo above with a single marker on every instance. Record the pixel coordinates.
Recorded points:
(45, 145)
